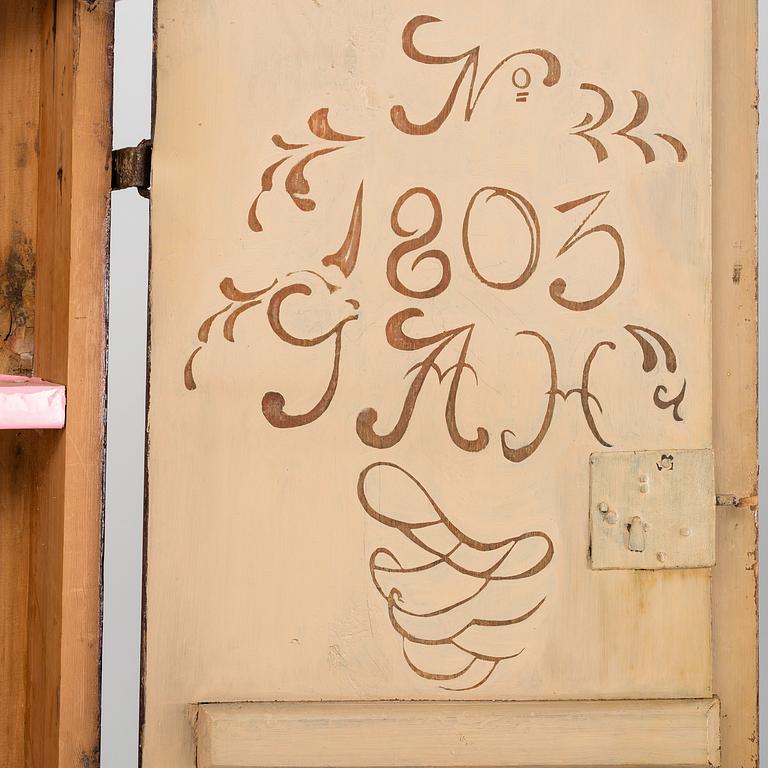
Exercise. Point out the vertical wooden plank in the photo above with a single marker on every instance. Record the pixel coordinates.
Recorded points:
(735, 375)
(15, 499)
(19, 107)
(70, 344)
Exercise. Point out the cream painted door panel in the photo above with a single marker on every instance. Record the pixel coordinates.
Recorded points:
(412, 264)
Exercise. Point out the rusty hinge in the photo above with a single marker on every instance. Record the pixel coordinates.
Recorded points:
(132, 167)
(731, 500)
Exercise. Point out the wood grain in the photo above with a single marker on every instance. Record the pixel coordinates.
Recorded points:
(70, 344)
(734, 580)
(15, 503)
(19, 107)
(437, 734)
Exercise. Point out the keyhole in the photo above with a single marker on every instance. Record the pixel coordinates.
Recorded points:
(636, 535)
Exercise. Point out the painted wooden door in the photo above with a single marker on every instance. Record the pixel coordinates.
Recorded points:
(425, 275)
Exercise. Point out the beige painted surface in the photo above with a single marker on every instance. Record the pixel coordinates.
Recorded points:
(260, 584)
(437, 734)
(734, 579)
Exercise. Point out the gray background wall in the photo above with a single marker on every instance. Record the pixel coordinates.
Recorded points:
(125, 420)
(125, 426)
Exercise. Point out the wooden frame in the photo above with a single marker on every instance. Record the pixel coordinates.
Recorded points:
(734, 289)
(57, 88)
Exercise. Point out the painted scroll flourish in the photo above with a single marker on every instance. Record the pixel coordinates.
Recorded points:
(589, 127)
(290, 288)
(446, 352)
(297, 157)
(476, 590)
(661, 399)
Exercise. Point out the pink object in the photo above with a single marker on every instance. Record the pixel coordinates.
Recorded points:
(28, 403)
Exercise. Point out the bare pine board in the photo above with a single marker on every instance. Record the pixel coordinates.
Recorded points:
(64, 642)
(16, 461)
(19, 106)
(19, 109)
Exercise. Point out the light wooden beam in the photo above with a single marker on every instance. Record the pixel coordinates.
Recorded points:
(64, 642)
(19, 109)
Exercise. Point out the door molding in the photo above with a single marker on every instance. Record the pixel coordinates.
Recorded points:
(434, 734)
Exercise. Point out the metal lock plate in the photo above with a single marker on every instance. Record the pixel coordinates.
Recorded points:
(652, 509)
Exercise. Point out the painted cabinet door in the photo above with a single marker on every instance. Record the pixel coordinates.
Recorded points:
(429, 477)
